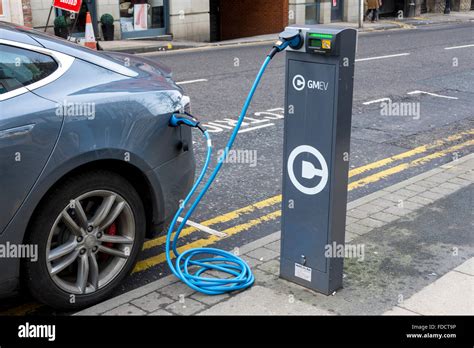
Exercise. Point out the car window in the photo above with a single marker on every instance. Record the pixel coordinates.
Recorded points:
(20, 67)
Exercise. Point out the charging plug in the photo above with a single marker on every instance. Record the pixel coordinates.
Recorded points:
(293, 37)
(186, 119)
(289, 37)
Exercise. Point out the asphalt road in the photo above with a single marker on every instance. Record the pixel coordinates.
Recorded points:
(421, 59)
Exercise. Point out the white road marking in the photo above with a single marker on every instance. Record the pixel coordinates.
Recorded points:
(190, 81)
(357, 60)
(383, 57)
(204, 228)
(244, 130)
(454, 47)
(260, 119)
(218, 125)
(433, 94)
(376, 101)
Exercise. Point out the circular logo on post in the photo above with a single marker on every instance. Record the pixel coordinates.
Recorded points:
(308, 170)
(299, 82)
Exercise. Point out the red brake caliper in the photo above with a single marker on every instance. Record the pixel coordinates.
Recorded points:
(111, 231)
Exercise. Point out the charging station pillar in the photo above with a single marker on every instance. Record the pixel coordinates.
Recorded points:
(318, 113)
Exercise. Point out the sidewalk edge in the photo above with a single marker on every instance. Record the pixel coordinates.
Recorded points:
(170, 279)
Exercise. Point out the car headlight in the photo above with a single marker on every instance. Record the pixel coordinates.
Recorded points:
(185, 104)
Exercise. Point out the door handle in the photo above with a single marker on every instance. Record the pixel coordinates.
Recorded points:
(16, 132)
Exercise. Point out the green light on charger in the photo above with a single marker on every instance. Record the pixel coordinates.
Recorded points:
(320, 36)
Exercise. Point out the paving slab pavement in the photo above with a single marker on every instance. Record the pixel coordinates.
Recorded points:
(452, 294)
(418, 251)
(260, 300)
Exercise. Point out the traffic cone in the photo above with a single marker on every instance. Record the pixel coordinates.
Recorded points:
(90, 37)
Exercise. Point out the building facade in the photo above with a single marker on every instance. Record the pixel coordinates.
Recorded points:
(210, 20)
(15, 11)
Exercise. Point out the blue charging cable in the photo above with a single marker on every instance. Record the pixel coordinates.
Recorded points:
(191, 264)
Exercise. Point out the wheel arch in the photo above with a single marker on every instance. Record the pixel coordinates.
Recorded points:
(150, 195)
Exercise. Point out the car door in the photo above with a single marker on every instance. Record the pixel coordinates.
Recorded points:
(29, 124)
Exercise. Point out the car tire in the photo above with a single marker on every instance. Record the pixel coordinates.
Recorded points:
(38, 275)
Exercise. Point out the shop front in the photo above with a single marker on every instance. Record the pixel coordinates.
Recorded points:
(11, 11)
(143, 18)
(337, 6)
(3, 9)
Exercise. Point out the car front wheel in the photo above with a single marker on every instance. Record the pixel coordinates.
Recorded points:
(89, 232)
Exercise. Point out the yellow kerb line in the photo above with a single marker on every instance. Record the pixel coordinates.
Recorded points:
(218, 219)
(416, 151)
(160, 258)
(277, 199)
(22, 309)
(401, 167)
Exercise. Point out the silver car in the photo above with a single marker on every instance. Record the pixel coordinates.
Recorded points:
(88, 165)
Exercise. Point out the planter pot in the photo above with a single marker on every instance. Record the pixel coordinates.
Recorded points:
(108, 32)
(61, 32)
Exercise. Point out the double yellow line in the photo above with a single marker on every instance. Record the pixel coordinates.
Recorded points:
(233, 215)
(160, 258)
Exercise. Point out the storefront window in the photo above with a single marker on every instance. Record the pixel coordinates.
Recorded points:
(3, 10)
(143, 18)
(311, 13)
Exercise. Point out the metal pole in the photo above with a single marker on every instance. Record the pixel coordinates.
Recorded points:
(74, 24)
(49, 16)
(361, 13)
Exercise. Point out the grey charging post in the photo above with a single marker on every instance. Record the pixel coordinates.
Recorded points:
(318, 113)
